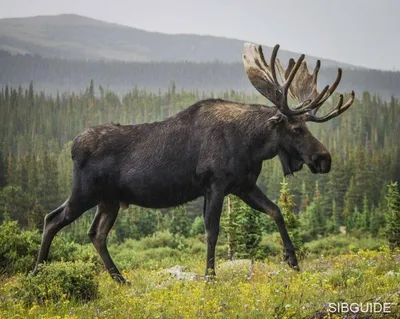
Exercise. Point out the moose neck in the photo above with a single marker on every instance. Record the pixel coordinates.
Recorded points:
(262, 135)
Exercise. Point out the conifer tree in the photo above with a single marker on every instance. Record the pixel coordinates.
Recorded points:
(179, 222)
(393, 215)
(287, 207)
(317, 220)
(334, 221)
(243, 228)
(350, 202)
(249, 233)
(3, 171)
(230, 225)
(366, 215)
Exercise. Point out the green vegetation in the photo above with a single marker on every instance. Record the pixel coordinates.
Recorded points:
(59, 281)
(335, 269)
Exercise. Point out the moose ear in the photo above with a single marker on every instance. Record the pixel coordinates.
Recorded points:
(279, 117)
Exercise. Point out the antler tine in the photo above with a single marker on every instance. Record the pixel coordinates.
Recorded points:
(328, 92)
(260, 73)
(296, 81)
(264, 78)
(337, 110)
(272, 62)
(304, 90)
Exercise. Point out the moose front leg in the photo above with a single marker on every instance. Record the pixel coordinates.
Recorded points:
(213, 202)
(257, 200)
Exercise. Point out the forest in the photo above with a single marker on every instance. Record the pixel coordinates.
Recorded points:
(350, 216)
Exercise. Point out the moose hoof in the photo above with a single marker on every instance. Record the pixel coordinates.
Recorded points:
(120, 280)
(290, 258)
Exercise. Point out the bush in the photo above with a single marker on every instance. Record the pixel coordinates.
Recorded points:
(160, 239)
(197, 226)
(19, 249)
(153, 257)
(58, 281)
(340, 244)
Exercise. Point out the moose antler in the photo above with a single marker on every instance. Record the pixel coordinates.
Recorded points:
(297, 81)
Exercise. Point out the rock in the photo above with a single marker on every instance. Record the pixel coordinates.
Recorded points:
(179, 273)
(243, 264)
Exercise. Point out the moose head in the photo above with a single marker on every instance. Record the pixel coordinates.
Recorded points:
(296, 145)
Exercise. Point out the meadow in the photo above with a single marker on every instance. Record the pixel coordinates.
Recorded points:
(74, 284)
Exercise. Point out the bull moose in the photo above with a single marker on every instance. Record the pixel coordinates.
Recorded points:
(212, 148)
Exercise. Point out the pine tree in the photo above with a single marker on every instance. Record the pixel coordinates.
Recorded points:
(230, 226)
(393, 215)
(334, 222)
(3, 171)
(287, 207)
(12, 176)
(366, 215)
(317, 220)
(146, 222)
(243, 228)
(249, 233)
(179, 222)
(350, 202)
(48, 194)
(36, 216)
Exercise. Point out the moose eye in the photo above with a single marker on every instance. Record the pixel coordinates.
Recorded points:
(297, 130)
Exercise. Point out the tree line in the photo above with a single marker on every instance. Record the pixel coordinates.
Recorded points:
(54, 75)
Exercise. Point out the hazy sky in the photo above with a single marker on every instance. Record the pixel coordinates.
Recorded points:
(361, 32)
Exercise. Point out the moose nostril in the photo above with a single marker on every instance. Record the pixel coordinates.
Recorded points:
(321, 156)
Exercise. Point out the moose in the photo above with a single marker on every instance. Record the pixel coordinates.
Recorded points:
(211, 149)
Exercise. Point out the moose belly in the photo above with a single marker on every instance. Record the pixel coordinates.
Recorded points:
(158, 193)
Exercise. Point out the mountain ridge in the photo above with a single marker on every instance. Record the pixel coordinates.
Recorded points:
(72, 36)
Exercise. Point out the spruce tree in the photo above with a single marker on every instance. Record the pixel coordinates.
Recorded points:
(249, 234)
(333, 225)
(393, 215)
(230, 225)
(3, 171)
(350, 202)
(179, 222)
(315, 215)
(243, 228)
(288, 207)
(366, 215)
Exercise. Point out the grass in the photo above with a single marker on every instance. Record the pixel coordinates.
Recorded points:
(271, 291)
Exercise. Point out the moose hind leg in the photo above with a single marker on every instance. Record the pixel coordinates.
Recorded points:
(103, 221)
(55, 221)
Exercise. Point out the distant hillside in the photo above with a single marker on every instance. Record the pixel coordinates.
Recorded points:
(60, 75)
(77, 37)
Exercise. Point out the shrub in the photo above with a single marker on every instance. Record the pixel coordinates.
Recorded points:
(197, 226)
(339, 244)
(160, 239)
(153, 257)
(58, 281)
(18, 249)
